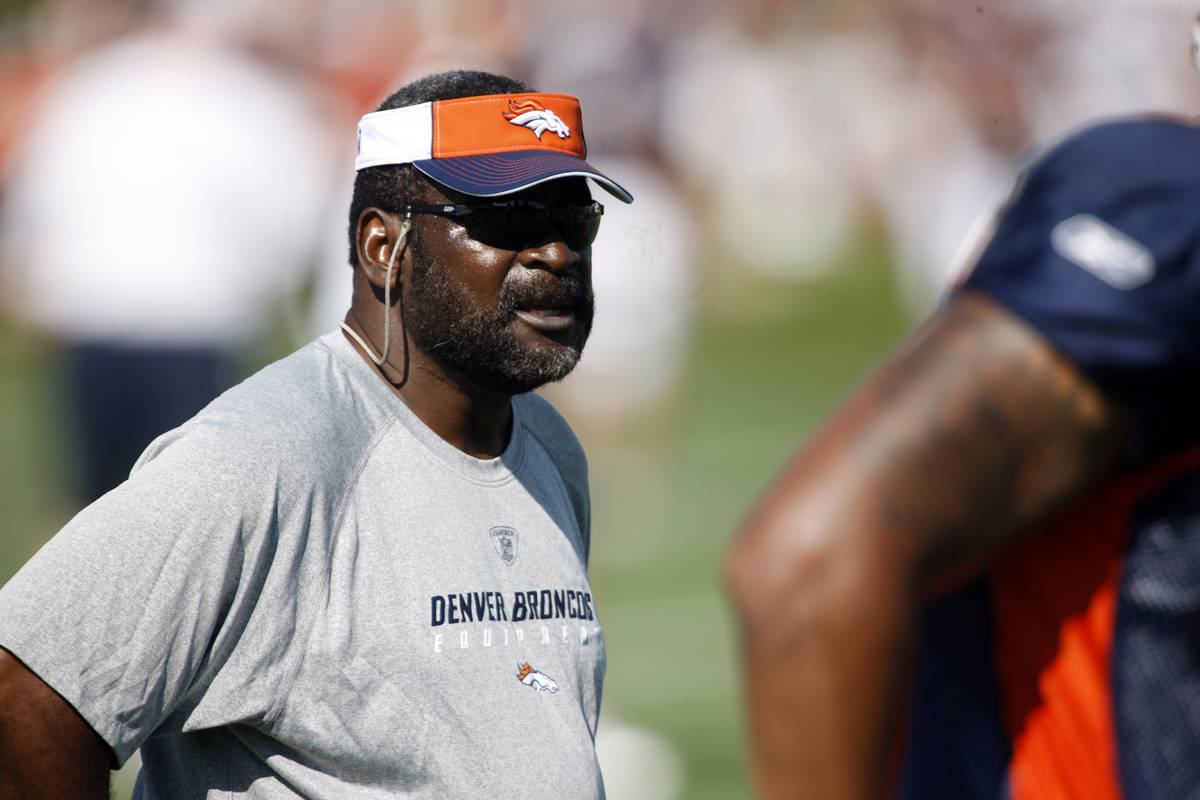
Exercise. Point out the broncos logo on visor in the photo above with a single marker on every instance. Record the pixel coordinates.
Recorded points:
(537, 118)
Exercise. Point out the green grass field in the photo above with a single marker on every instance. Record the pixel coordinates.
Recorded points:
(769, 360)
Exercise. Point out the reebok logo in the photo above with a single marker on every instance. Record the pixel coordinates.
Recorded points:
(1104, 251)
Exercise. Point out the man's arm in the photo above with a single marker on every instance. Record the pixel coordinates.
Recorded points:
(47, 751)
(975, 429)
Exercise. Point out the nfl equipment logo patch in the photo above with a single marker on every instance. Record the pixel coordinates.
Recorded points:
(505, 540)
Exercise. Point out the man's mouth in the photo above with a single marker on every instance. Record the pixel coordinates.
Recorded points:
(548, 319)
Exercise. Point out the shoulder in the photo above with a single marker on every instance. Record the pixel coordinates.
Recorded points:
(552, 436)
(545, 422)
(1140, 175)
(298, 419)
(546, 425)
(1098, 251)
(1108, 165)
(1104, 221)
(1142, 140)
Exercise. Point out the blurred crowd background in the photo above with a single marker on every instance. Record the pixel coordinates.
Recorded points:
(174, 178)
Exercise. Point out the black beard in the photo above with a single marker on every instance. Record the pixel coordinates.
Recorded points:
(479, 344)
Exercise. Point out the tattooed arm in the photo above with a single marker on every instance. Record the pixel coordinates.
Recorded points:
(972, 431)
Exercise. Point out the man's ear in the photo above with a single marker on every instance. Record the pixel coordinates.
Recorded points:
(379, 234)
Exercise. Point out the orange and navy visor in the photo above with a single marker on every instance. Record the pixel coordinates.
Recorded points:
(484, 146)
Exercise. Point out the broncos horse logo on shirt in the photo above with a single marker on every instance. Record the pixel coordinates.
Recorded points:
(538, 680)
(539, 119)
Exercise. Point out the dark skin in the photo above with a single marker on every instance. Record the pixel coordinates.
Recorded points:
(971, 432)
(48, 751)
(471, 417)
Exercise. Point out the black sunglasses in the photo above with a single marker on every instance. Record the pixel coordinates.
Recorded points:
(517, 224)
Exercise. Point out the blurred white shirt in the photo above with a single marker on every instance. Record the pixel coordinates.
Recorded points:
(168, 189)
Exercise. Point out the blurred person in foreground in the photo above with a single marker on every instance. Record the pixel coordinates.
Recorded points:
(361, 572)
(979, 579)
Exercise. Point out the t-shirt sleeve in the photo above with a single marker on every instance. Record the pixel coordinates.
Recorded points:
(1099, 250)
(554, 434)
(131, 611)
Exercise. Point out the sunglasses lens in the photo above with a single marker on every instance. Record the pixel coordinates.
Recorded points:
(516, 227)
(580, 225)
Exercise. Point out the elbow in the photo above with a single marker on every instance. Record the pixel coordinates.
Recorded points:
(754, 579)
(791, 579)
(780, 577)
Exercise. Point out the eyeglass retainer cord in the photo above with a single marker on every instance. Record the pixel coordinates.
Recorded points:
(380, 360)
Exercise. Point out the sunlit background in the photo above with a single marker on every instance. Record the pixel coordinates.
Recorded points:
(806, 175)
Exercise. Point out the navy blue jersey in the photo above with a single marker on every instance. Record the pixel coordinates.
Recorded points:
(1071, 669)
(1099, 250)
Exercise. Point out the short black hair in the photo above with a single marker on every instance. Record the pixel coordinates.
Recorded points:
(390, 186)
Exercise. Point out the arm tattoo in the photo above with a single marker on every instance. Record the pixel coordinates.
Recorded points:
(986, 429)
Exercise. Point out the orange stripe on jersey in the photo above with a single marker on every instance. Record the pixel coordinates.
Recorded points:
(1054, 604)
(472, 126)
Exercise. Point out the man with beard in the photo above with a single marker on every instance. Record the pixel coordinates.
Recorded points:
(362, 572)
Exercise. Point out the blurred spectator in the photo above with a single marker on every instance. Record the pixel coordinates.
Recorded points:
(746, 120)
(919, 157)
(166, 191)
(1112, 57)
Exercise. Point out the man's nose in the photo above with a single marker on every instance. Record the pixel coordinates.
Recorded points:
(553, 254)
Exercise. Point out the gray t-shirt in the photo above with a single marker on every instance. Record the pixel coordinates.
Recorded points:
(305, 592)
